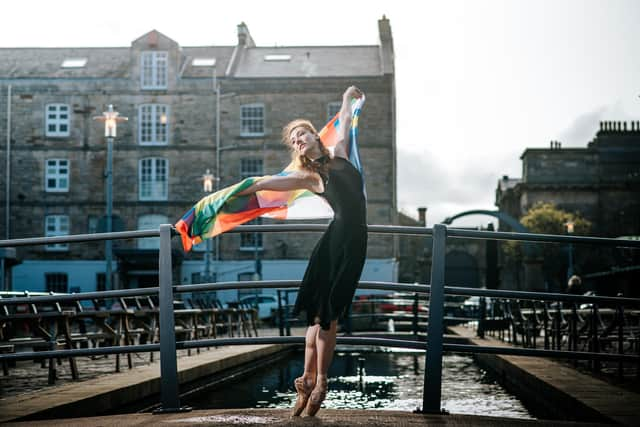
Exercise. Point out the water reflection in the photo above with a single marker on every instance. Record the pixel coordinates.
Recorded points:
(372, 380)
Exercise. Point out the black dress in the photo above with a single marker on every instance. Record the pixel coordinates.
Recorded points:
(337, 260)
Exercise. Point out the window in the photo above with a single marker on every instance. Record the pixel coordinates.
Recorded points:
(56, 176)
(57, 121)
(252, 120)
(153, 122)
(252, 240)
(153, 178)
(150, 222)
(332, 109)
(56, 225)
(250, 167)
(56, 282)
(153, 70)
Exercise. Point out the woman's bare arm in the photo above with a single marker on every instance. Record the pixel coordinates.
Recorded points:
(294, 181)
(340, 149)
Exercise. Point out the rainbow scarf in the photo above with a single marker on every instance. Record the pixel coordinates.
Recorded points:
(223, 210)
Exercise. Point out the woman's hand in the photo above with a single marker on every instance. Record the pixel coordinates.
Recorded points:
(352, 92)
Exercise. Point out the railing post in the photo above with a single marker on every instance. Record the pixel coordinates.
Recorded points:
(435, 329)
(415, 315)
(170, 398)
(482, 314)
(280, 314)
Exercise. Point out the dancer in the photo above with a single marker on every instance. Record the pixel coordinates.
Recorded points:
(337, 260)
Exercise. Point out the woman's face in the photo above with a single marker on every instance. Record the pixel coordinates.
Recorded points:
(302, 140)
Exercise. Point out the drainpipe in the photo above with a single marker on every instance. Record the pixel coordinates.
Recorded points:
(7, 218)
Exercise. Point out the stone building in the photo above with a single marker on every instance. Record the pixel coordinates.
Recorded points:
(602, 183)
(179, 129)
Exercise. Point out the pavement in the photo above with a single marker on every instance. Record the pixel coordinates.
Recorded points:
(280, 417)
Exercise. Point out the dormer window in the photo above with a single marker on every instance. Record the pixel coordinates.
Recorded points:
(153, 70)
(204, 62)
(277, 58)
(74, 63)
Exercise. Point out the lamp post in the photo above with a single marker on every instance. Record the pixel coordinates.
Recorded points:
(216, 89)
(207, 187)
(110, 119)
(569, 226)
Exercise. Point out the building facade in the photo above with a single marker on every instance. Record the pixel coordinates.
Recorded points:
(602, 183)
(180, 132)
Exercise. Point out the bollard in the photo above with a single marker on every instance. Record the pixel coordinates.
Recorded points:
(433, 369)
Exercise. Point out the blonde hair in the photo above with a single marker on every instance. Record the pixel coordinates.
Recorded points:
(302, 161)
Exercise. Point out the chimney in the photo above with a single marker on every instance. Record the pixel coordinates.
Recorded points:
(244, 38)
(386, 45)
(422, 216)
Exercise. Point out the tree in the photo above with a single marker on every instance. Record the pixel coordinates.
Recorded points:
(546, 218)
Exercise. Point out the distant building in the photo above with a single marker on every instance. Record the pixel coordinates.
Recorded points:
(601, 182)
(55, 183)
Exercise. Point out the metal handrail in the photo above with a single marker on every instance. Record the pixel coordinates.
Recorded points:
(436, 289)
(279, 284)
(374, 229)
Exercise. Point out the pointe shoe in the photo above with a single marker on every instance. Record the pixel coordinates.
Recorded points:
(304, 390)
(317, 396)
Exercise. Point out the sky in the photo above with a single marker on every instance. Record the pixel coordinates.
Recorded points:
(478, 81)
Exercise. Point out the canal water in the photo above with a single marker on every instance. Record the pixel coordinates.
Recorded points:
(376, 379)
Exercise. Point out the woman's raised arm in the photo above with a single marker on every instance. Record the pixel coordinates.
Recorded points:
(294, 181)
(340, 149)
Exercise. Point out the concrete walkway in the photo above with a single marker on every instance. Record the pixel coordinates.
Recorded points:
(279, 417)
(109, 392)
(556, 387)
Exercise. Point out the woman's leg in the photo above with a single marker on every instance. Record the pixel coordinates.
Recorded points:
(325, 347)
(304, 384)
(311, 353)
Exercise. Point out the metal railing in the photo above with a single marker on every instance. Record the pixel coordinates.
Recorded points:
(436, 290)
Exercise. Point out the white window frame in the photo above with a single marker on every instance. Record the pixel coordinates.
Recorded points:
(154, 67)
(246, 119)
(332, 109)
(53, 170)
(150, 222)
(251, 167)
(247, 242)
(159, 188)
(55, 116)
(56, 225)
(151, 130)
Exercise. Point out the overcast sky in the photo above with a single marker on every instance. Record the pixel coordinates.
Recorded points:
(478, 81)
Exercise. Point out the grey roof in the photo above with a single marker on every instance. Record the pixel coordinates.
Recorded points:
(47, 62)
(317, 61)
(115, 62)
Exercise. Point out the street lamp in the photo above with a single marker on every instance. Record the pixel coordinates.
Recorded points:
(207, 187)
(569, 226)
(110, 119)
(216, 89)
